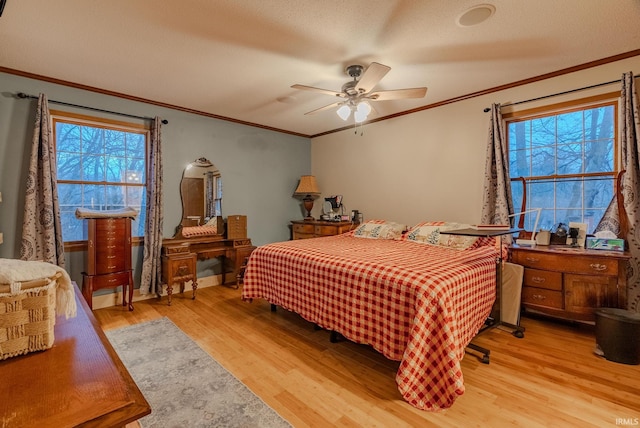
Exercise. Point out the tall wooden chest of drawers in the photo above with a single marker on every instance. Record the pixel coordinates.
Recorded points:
(108, 263)
(572, 283)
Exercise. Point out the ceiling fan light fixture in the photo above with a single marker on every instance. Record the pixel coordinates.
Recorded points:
(364, 108)
(361, 112)
(344, 111)
(359, 116)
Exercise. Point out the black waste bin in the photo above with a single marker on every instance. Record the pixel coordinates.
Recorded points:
(618, 335)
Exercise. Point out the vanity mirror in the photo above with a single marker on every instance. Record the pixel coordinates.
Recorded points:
(201, 194)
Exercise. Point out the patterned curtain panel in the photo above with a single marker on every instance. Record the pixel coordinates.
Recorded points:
(497, 203)
(150, 281)
(41, 227)
(629, 132)
(210, 209)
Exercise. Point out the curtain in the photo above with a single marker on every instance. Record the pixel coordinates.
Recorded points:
(150, 281)
(630, 185)
(210, 197)
(497, 203)
(41, 227)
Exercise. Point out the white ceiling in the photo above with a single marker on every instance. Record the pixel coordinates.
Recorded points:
(239, 58)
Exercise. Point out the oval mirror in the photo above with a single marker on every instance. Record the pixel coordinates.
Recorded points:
(201, 194)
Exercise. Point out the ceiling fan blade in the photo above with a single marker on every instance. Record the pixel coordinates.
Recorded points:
(372, 75)
(323, 91)
(330, 106)
(398, 94)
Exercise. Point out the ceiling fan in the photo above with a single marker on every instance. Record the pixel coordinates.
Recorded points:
(357, 94)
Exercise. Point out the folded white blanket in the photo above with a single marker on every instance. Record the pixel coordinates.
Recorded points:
(13, 272)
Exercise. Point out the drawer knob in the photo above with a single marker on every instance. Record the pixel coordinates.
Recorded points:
(539, 297)
(111, 267)
(532, 259)
(598, 266)
(538, 279)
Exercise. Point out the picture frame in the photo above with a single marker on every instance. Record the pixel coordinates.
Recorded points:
(582, 234)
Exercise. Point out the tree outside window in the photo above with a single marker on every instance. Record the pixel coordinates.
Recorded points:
(100, 165)
(568, 159)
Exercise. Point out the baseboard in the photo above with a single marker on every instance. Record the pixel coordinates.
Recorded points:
(115, 298)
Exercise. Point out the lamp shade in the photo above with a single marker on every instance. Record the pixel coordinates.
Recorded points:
(307, 187)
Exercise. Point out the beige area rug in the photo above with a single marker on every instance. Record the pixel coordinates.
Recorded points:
(183, 384)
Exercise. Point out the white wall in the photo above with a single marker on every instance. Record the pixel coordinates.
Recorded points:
(430, 165)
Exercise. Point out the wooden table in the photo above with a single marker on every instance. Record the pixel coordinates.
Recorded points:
(80, 381)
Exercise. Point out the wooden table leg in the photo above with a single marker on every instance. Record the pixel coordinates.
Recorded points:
(169, 291)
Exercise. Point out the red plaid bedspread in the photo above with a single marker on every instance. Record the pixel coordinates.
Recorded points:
(415, 303)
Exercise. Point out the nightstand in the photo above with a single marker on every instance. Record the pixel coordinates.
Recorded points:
(303, 229)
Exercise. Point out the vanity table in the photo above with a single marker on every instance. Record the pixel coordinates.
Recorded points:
(179, 257)
(202, 233)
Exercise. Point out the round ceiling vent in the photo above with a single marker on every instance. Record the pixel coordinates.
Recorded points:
(476, 15)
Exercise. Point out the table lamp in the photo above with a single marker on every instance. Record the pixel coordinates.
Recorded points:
(307, 190)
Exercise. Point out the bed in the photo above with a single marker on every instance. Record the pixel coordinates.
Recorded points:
(417, 297)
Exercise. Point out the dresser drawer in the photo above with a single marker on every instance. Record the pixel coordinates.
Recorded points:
(297, 235)
(537, 260)
(179, 267)
(542, 297)
(110, 259)
(304, 228)
(110, 280)
(571, 263)
(110, 227)
(326, 230)
(593, 266)
(543, 279)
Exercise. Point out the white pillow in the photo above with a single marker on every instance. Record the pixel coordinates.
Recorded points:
(429, 232)
(377, 230)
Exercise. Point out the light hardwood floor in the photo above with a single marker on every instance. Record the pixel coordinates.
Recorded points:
(550, 378)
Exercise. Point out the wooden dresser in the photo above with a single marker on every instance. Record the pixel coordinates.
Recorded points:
(571, 283)
(303, 229)
(80, 381)
(108, 263)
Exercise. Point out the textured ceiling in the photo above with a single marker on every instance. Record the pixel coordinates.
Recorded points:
(239, 58)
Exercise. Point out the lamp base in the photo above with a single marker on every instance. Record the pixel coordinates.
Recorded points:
(308, 205)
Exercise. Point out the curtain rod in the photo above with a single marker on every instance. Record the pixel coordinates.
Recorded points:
(22, 95)
(487, 109)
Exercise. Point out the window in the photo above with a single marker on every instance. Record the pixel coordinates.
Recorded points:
(567, 155)
(101, 165)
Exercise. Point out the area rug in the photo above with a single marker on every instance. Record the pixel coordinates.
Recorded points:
(183, 384)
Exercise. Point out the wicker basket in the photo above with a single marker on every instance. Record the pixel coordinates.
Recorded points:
(27, 317)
